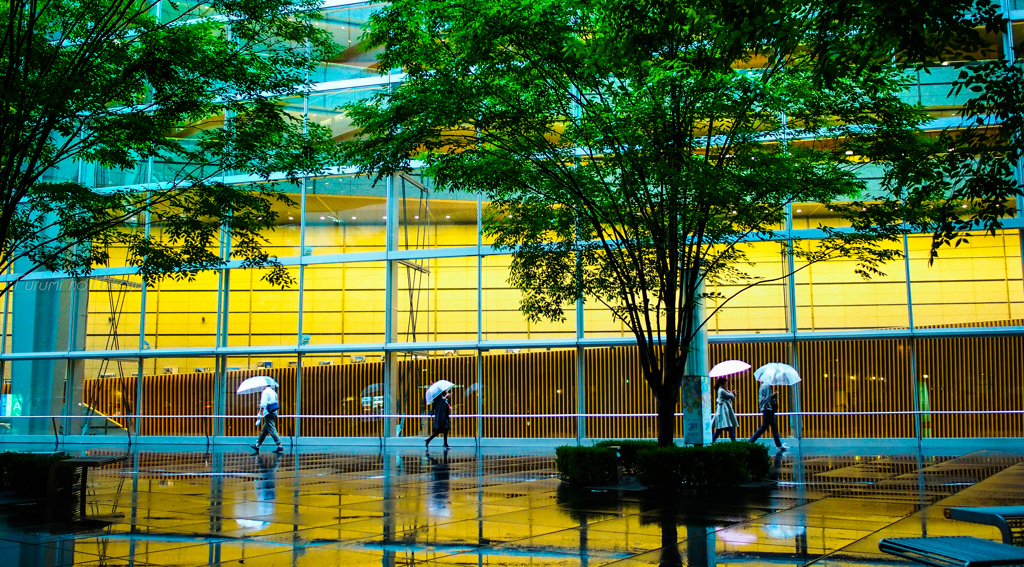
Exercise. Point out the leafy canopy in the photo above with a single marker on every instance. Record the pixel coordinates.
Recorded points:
(193, 90)
(630, 149)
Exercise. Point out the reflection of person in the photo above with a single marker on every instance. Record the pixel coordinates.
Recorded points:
(439, 488)
(725, 416)
(442, 419)
(265, 483)
(269, 407)
(767, 404)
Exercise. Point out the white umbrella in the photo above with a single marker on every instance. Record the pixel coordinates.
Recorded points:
(727, 367)
(437, 388)
(777, 374)
(256, 384)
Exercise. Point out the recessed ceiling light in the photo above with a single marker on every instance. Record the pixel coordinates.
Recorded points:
(416, 217)
(291, 218)
(353, 218)
(321, 218)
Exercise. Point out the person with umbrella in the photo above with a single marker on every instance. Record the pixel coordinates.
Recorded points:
(269, 407)
(442, 418)
(725, 417)
(772, 374)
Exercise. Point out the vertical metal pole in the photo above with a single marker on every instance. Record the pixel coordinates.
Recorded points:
(302, 283)
(147, 220)
(796, 420)
(581, 377)
(390, 318)
(479, 321)
(915, 392)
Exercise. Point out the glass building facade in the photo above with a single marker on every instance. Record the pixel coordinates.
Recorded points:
(396, 288)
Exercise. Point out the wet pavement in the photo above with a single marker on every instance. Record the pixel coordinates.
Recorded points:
(405, 507)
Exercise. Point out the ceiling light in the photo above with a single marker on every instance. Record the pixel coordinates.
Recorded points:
(321, 218)
(291, 218)
(353, 218)
(849, 152)
(416, 217)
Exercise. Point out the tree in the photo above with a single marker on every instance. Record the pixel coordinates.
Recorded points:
(631, 148)
(193, 87)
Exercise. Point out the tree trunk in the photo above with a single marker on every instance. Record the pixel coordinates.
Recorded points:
(667, 400)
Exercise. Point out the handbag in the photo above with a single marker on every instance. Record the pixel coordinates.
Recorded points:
(273, 407)
(774, 403)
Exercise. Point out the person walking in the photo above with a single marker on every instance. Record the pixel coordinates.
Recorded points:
(725, 416)
(269, 407)
(767, 403)
(442, 418)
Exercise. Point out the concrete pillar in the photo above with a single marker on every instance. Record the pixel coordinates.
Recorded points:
(695, 397)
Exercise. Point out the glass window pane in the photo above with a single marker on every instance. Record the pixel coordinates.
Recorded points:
(831, 295)
(178, 396)
(976, 283)
(502, 318)
(344, 303)
(282, 369)
(529, 384)
(262, 314)
(761, 308)
(114, 316)
(344, 214)
(975, 375)
(343, 395)
(436, 299)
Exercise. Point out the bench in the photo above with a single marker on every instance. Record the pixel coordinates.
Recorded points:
(76, 467)
(1009, 520)
(962, 551)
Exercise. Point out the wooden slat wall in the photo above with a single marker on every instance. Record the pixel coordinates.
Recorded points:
(530, 383)
(614, 384)
(881, 382)
(972, 374)
(977, 374)
(338, 390)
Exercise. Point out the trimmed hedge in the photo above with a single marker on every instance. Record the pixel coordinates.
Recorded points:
(585, 466)
(628, 450)
(26, 473)
(664, 468)
(725, 464)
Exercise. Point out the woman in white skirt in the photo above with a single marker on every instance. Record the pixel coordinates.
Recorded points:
(725, 416)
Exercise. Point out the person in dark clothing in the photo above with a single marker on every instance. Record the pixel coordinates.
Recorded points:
(767, 404)
(442, 419)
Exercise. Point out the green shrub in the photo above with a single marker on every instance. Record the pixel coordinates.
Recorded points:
(628, 450)
(27, 473)
(585, 466)
(725, 464)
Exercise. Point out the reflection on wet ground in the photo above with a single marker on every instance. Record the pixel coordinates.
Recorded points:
(404, 507)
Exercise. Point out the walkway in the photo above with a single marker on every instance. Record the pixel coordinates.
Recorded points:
(329, 508)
